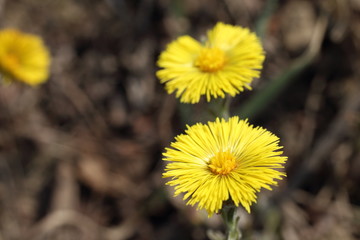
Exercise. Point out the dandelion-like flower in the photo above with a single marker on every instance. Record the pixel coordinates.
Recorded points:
(225, 64)
(225, 160)
(23, 57)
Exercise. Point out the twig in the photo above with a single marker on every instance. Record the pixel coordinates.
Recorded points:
(262, 22)
(81, 101)
(338, 129)
(228, 12)
(1, 6)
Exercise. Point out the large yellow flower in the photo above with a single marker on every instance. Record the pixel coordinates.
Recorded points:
(226, 63)
(23, 57)
(225, 160)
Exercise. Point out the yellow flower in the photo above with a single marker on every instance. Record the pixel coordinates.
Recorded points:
(23, 57)
(226, 63)
(225, 160)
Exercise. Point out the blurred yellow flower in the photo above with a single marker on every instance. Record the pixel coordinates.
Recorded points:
(225, 64)
(225, 160)
(23, 57)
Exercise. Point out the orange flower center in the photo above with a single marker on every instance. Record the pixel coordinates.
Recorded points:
(222, 163)
(11, 60)
(210, 60)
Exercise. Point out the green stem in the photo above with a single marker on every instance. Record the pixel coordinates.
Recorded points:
(225, 109)
(231, 221)
(220, 107)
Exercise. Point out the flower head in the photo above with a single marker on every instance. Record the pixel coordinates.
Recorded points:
(225, 64)
(225, 160)
(23, 57)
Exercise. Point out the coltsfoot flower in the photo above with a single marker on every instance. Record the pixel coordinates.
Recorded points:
(225, 160)
(23, 57)
(225, 64)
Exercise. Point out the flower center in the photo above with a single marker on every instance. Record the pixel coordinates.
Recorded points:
(210, 59)
(12, 60)
(222, 163)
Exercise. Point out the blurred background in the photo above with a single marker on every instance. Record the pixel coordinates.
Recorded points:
(80, 156)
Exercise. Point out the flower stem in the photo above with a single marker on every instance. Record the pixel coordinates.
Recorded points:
(231, 221)
(225, 109)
